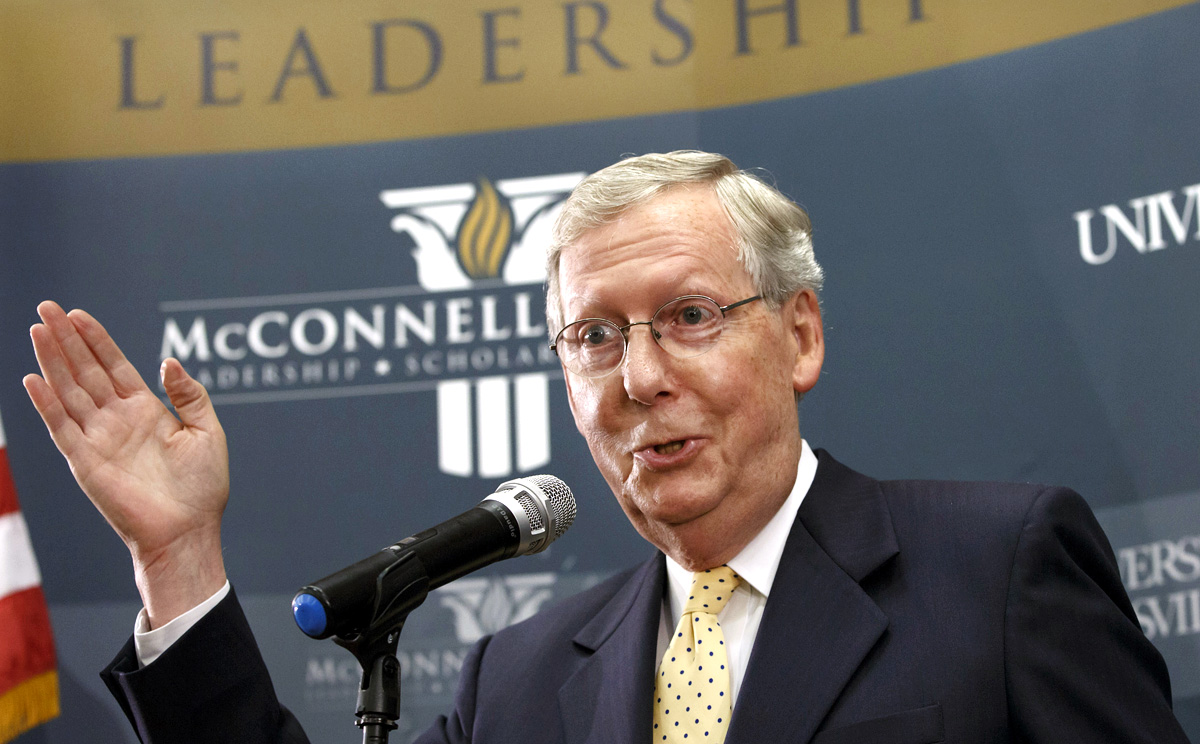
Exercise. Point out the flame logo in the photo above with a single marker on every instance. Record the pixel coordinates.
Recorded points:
(485, 233)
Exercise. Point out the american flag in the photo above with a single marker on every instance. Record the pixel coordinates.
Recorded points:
(28, 675)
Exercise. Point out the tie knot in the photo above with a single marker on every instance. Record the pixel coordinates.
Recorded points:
(711, 589)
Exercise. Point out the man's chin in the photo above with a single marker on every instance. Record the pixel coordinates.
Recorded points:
(696, 544)
(681, 514)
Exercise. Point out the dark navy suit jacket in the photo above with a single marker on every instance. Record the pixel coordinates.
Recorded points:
(907, 612)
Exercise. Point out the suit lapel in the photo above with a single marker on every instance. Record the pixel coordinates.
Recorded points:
(818, 624)
(608, 699)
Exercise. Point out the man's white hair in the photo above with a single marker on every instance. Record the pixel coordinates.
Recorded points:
(774, 234)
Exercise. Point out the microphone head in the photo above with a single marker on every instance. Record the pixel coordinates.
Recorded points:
(543, 506)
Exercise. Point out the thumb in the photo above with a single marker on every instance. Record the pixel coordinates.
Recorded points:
(188, 396)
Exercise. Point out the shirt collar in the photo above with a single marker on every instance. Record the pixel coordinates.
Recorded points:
(759, 560)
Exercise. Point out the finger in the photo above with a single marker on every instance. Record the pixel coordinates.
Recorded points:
(86, 369)
(125, 377)
(57, 373)
(189, 397)
(63, 430)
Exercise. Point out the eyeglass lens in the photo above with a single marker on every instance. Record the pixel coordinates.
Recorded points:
(684, 327)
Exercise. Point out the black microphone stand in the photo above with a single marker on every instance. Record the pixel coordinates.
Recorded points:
(401, 581)
(378, 704)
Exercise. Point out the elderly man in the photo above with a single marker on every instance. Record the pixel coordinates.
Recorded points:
(794, 600)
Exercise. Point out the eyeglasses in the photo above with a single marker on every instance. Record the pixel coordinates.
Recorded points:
(685, 327)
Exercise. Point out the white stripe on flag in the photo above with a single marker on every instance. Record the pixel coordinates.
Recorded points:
(18, 568)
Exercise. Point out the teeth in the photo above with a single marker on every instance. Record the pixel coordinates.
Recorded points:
(667, 449)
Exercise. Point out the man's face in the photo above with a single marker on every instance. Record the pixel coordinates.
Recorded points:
(699, 452)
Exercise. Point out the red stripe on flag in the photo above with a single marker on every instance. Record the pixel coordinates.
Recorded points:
(26, 645)
(8, 489)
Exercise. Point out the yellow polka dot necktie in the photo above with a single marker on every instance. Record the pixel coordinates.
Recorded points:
(692, 699)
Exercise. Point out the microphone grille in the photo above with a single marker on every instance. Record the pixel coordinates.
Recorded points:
(532, 512)
(562, 501)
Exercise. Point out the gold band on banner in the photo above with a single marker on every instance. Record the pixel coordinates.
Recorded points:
(120, 78)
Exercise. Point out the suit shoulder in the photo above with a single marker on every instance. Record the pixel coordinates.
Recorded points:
(986, 521)
(987, 500)
(945, 502)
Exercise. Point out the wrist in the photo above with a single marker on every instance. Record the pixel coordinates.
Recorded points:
(177, 578)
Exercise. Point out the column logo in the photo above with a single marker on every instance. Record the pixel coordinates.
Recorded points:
(472, 332)
(470, 235)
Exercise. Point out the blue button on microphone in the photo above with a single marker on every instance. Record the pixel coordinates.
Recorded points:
(309, 614)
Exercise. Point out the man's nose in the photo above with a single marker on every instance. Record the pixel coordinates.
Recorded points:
(646, 367)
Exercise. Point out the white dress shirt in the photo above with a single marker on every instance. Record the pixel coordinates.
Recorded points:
(756, 565)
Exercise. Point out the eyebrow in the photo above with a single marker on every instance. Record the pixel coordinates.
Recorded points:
(616, 316)
(588, 303)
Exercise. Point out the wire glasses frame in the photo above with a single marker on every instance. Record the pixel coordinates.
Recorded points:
(685, 327)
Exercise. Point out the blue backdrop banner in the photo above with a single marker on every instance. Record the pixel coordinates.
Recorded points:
(335, 219)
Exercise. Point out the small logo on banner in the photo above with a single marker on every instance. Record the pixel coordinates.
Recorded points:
(473, 331)
(488, 605)
(1152, 223)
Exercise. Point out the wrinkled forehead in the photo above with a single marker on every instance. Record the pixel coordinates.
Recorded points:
(682, 222)
(651, 256)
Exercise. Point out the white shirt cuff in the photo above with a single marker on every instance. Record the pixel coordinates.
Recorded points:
(150, 644)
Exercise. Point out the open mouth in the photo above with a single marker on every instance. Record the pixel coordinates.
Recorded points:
(669, 448)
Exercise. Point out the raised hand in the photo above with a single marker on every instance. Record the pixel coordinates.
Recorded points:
(161, 482)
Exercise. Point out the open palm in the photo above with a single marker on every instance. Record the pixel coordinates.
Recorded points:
(161, 482)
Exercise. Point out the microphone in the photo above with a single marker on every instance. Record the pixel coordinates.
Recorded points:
(522, 517)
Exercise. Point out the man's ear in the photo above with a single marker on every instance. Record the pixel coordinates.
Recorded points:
(803, 314)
